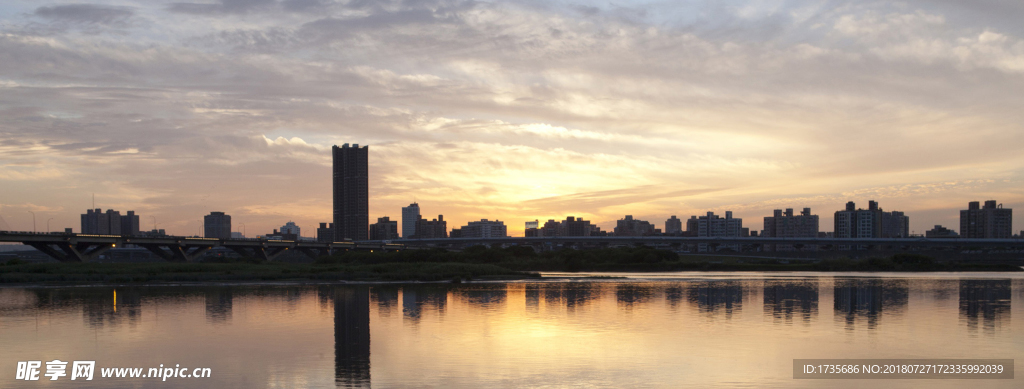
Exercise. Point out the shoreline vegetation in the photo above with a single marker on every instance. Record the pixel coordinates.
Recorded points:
(438, 265)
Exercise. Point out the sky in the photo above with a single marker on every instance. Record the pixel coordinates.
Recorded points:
(512, 110)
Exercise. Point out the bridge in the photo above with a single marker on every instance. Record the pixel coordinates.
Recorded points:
(66, 247)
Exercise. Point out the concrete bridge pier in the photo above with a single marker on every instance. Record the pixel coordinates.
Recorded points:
(66, 252)
(176, 253)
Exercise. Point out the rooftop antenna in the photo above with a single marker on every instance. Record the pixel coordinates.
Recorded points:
(93, 201)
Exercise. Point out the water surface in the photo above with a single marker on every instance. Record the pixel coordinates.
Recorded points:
(647, 330)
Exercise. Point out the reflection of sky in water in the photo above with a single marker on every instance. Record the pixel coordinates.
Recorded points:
(698, 332)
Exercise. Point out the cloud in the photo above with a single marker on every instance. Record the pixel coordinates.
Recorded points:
(222, 7)
(511, 110)
(87, 14)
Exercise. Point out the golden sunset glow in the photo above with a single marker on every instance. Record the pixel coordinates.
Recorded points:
(515, 111)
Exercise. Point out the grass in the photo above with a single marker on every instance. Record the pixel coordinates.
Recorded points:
(441, 265)
(212, 272)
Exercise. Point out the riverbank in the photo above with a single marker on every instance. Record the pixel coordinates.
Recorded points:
(645, 259)
(478, 263)
(73, 273)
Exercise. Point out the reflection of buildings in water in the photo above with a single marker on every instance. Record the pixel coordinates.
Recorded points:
(943, 289)
(630, 295)
(482, 296)
(102, 307)
(985, 301)
(324, 297)
(352, 336)
(386, 298)
(674, 296)
(784, 299)
(571, 295)
(417, 298)
(869, 299)
(716, 296)
(531, 293)
(218, 304)
(292, 297)
(578, 294)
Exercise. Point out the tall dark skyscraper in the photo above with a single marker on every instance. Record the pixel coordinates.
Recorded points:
(217, 225)
(351, 192)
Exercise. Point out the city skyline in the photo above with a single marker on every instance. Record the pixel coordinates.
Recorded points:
(512, 111)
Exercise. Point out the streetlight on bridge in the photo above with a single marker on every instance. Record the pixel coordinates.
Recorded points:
(33, 221)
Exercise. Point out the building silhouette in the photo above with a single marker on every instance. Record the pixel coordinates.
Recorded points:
(895, 224)
(130, 224)
(410, 217)
(96, 222)
(940, 232)
(532, 229)
(989, 222)
(384, 229)
(673, 226)
(571, 226)
(291, 229)
(870, 223)
(217, 225)
(431, 229)
(628, 226)
(351, 192)
(325, 233)
(713, 225)
(481, 229)
(788, 225)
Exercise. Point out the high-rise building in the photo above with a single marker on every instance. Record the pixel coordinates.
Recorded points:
(217, 225)
(351, 192)
(870, 223)
(96, 222)
(551, 228)
(130, 224)
(410, 216)
(384, 229)
(858, 223)
(691, 226)
(713, 225)
(325, 234)
(431, 229)
(481, 229)
(571, 226)
(112, 219)
(673, 226)
(895, 225)
(290, 228)
(989, 222)
(91, 221)
(532, 229)
(788, 225)
(634, 227)
(574, 226)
